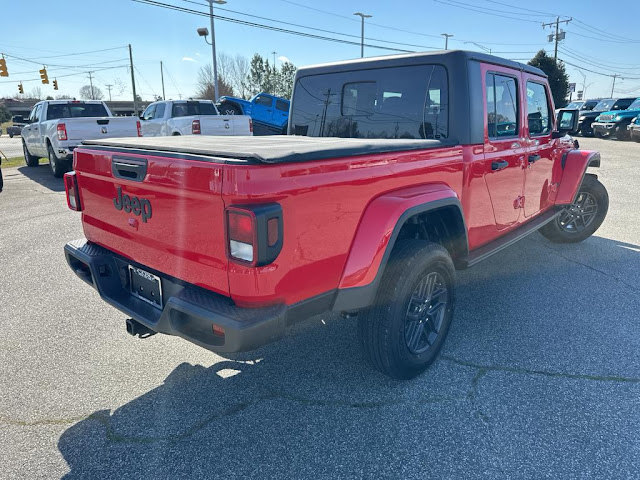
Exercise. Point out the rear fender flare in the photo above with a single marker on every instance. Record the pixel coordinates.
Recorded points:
(574, 165)
(376, 236)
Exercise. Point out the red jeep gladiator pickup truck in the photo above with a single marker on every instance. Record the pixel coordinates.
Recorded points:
(397, 171)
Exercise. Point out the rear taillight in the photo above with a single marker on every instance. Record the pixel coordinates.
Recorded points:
(195, 127)
(139, 127)
(73, 193)
(254, 233)
(62, 131)
(250, 126)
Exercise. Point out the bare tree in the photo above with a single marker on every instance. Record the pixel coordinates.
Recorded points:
(86, 93)
(36, 93)
(235, 72)
(204, 88)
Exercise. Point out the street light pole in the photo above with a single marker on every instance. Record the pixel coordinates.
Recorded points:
(213, 48)
(446, 39)
(362, 16)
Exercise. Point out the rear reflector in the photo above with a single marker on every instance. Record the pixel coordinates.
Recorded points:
(195, 127)
(250, 126)
(139, 127)
(62, 131)
(73, 193)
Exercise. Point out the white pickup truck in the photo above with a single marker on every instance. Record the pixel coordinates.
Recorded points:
(189, 117)
(56, 127)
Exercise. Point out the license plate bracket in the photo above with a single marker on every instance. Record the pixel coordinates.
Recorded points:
(145, 286)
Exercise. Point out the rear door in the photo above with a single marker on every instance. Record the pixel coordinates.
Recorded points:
(281, 114)
(504, 150)
(539, 162)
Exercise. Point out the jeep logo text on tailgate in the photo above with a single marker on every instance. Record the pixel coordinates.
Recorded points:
(135, 205)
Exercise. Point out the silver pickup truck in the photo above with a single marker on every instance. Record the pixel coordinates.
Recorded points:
(191, 117)
(56, 127)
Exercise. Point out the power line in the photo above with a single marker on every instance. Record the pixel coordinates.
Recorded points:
(74, 74)
(467, 6)
(78, 53)
(266, 27)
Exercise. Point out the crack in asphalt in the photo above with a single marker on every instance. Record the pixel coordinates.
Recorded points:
(590, 267)
(545, 373)
(104, 417)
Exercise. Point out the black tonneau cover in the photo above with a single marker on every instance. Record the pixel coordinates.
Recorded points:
(268, 149)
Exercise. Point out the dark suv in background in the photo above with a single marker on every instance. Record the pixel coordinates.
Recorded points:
(606, 104)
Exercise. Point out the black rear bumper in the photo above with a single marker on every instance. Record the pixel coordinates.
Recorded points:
(188, 311)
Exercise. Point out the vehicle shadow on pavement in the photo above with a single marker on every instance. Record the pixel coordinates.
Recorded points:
(309, 406)
(42, 175)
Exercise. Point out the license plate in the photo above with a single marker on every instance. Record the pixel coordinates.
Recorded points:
(146, 286)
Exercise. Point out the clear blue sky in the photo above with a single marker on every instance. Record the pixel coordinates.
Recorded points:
(50, 29)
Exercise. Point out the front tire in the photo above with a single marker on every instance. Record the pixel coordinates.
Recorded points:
(582, 218)
(30, 160)
(403, 331)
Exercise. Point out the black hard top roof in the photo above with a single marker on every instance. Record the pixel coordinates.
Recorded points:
(416, 59)
(262, 149)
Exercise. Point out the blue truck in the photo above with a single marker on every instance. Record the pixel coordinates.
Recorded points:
(614, 123)
(270, 114)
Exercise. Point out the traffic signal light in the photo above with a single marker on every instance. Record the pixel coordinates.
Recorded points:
(20, 88)
(55, 84)
(44, 76)
(3, 68)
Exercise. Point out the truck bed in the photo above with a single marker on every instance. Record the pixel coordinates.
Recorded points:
(272, 149)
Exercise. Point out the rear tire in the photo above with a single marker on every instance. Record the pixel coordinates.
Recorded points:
(58, 167)
(30, 160)
(403, 331)
(581, 219)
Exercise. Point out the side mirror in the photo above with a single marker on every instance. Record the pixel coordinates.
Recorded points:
(566, 122)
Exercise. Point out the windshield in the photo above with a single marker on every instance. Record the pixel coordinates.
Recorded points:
(635, 105)
(574, 106)
(75, 110)
(604, 105)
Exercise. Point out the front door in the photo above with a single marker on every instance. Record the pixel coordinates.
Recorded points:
(538, 187)
(504, 150)
(262, 110)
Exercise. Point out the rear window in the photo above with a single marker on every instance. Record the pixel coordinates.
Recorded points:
(407, 102)
(187, 109)
(75, 110)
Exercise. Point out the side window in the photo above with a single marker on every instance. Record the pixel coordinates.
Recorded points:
(282, 106)
(159, 113)
(148, 113)
(538, 116)
(179, 110)
(502, 106)
(264, 101)
(32, 115)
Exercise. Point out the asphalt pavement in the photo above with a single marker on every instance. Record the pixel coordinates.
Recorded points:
(10, 147)
(539, 378)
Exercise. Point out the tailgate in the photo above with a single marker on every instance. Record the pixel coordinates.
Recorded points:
(165, 213)
(91, 128)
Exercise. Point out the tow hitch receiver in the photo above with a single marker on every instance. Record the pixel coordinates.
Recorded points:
(136, 328)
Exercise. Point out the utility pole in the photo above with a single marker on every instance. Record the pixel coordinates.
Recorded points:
(558, 35)
(133, 83)
(362, 16)
(615, 75)
(274, 58)
(446, 39)
(162, 79)
(91, 83)
(109, 88)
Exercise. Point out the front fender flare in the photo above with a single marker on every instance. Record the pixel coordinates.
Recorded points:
(376, 235)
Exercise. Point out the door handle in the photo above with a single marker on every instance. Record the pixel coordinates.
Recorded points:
(534, 158)
(499, 165)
